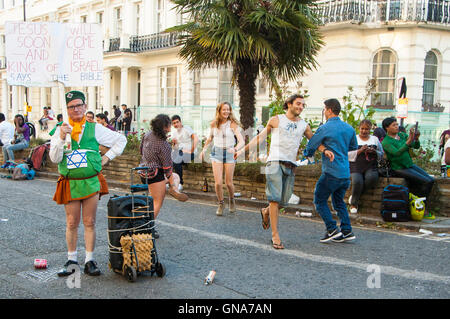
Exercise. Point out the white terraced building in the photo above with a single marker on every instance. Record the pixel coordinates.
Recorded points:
(364, 39)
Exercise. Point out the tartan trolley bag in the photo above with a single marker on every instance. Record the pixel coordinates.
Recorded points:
(131, 241)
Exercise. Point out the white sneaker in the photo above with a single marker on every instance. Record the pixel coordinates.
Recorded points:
(180, 187)
(350, 200)
(353, 210)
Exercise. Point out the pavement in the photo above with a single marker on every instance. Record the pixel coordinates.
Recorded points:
(438, 225)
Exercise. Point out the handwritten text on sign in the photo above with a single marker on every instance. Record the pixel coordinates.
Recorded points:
(42, 54)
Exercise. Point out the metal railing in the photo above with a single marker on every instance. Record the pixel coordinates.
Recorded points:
(153, 42)
(372, 11)
(197, 117)
(114, 44)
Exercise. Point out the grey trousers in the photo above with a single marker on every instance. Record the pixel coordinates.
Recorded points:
(362, 182)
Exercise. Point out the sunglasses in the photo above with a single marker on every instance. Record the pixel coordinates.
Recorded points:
(76, 106)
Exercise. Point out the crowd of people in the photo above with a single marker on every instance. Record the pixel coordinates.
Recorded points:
(347, 159)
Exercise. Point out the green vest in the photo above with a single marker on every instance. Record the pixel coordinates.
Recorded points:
(83, 188)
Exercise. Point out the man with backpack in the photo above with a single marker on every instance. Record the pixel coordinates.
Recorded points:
(338, 138)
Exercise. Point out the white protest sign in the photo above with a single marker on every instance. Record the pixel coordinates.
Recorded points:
(44, 53)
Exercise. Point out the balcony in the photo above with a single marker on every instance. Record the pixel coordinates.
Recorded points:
(145, 43)
(114, 44)
(376, 11)
(153, 42)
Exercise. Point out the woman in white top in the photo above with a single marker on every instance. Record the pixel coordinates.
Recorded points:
(363, 163)
(223, 131)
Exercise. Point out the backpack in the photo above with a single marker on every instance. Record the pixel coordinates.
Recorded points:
(38, 156)
(32, 129)
(395, 204)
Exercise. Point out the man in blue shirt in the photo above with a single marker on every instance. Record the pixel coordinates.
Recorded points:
(338, 138)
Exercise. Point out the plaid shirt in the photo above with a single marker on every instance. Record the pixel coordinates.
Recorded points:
(156, 154)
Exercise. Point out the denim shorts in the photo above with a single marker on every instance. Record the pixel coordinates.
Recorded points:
(222, 155)
(279, 182)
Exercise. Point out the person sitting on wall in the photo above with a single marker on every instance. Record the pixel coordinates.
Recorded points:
(363, 163)
(44, 119)
(20, 141)
(396, 146)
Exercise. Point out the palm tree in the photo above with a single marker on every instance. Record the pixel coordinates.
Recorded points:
(277, 38)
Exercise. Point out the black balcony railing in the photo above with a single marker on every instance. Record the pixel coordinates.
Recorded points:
(153, 42)
(114, 44)
(371, 11)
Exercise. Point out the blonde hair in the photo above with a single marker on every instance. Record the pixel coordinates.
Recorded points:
(216, 122)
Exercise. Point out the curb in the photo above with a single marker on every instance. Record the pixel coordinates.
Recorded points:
(431, 225)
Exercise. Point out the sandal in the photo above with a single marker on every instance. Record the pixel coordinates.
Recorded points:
(277, 246)
(265, 224)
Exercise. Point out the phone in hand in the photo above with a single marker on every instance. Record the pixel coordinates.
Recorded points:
(415, 129)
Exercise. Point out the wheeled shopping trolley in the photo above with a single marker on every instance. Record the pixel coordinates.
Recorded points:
(131, 233)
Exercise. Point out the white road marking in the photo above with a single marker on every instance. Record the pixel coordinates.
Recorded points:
(386, 270)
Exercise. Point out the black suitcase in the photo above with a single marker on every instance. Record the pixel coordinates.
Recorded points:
(395, 204)
(131, 218)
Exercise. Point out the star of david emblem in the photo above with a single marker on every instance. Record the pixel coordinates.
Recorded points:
(77, 159)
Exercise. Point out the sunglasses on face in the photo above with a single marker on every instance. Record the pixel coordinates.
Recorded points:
(76, 106)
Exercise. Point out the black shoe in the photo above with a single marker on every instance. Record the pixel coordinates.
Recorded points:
(155, 234)
(344, 237)
(330, 235)
(91, 269)
(65, 272)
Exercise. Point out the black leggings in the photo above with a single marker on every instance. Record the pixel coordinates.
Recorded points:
(419, 182)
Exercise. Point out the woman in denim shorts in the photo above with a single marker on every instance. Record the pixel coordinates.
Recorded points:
(223, 133)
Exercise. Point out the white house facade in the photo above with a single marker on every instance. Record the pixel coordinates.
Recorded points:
(364, 39)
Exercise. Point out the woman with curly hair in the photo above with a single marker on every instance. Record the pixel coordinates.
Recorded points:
(223, 133)
(156, 155)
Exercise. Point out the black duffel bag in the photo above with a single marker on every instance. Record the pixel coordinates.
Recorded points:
(395, 204)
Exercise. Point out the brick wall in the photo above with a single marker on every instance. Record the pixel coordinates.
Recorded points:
(305, 182)
(252, 184)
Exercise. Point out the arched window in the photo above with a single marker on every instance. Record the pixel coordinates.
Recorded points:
(384, 70)
(429, 78)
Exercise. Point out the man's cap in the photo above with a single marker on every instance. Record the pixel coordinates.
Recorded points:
(74, 95)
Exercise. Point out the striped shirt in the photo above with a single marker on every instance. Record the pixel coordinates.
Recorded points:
(156, 154)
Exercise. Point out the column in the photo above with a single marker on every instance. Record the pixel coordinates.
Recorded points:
(56, 107)
(107, 91)
(15, 101)
(61, 92)
(128, 20)
(21, 100)
(43, 97)
(124, 85)
(91, 102)
(5, 94)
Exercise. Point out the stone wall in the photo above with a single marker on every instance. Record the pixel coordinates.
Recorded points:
(250, 183)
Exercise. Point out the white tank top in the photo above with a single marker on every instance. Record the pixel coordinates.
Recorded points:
(224, 136)
(286, 139)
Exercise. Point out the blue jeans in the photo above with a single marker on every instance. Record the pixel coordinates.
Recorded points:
(336, 187)
(419, 182)
(8, 150)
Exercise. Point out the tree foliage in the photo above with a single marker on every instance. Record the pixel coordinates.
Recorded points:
(276, 39)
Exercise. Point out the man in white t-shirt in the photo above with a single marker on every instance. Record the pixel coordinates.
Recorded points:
(184, 142)
(6, 131)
